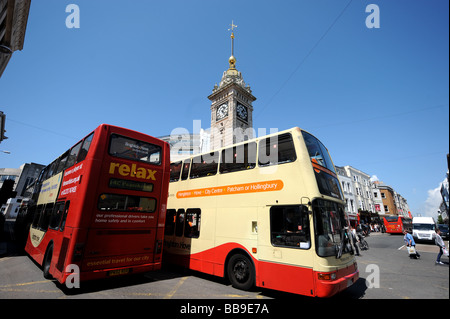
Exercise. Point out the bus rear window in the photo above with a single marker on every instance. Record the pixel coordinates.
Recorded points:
(132, 149)
(126, 203)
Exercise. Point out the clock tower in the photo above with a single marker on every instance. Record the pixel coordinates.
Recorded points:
(231, 107)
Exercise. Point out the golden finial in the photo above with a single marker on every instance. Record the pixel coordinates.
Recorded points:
(232, 59)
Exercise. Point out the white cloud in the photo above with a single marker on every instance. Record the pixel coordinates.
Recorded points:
(374, 178)
(433, 201)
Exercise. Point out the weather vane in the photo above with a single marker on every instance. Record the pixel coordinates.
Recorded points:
(233, 26)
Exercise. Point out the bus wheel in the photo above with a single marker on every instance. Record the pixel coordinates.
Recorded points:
(47, 262)
(241, 272)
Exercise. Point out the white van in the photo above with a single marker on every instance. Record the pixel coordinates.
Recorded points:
(424, 228)
(11, 208)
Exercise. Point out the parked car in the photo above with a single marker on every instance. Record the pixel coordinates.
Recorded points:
(444, 230)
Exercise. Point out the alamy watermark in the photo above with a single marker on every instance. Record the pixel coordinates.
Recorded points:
(73, 19)
(373, 279)
(373, 19)
(73, 280)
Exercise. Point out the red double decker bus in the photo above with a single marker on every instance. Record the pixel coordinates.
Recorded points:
(396, 224)
(101, 206)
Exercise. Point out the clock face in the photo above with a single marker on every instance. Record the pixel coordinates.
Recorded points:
(241, 112)
(222, 112)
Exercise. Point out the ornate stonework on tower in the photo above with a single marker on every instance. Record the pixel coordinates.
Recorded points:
(231, 107)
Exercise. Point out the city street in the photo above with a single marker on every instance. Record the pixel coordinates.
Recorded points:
(386, 265)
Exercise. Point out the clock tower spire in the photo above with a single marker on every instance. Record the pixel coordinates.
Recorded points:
(231, 106)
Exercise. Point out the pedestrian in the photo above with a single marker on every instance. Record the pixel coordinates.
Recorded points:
(438, 240)
(409, 240)
(354, 239)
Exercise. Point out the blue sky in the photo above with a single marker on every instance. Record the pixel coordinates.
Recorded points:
(377, 98)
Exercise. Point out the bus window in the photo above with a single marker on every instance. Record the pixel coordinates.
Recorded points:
(132, 149)
(192, 225)
(120, 202)
(185, 172)
(204, 165)
(62, 162)
(171, 216)
(37, 215)
(289, 227)
(52, 168)
(73, 155)
(329, 220)
(45, 174)
(64, 217)
(57, 214)
(85, 148)
(317, 152)
(237, 158)
(44, 220)
(179, 223)
(175, 170)
(276, 150)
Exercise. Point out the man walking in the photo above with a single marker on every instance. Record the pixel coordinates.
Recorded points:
(438, 240)
(409, 240)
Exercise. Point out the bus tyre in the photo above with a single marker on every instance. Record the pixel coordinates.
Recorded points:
(47, 262)
(241, 272)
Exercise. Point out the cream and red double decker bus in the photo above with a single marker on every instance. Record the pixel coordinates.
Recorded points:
(267, 212)
(101, 206)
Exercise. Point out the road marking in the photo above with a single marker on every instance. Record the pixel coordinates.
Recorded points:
(401, 247)
(25, 284)
(26, 290)
(174, 290)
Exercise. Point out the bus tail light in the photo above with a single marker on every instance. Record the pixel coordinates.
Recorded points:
(327, 276)
(78, 252)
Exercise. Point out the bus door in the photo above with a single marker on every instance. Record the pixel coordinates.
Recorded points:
(284, 249)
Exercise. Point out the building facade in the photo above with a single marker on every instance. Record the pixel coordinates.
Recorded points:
(186, 144)
(377, 200)
(362, 187)
(349, 195)
(23, 176)
(13, 23)
(388, 199)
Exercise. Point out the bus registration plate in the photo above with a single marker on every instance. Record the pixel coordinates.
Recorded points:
(119, 272)
(349, 282)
